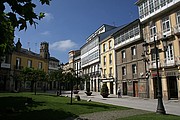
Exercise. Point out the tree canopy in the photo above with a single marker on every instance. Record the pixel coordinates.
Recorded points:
(21, 13)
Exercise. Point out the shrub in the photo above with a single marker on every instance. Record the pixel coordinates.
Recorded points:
(104, 90)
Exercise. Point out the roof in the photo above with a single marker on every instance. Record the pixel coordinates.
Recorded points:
(109, 33)
(53, 59)
(126, 26)
(28, 52)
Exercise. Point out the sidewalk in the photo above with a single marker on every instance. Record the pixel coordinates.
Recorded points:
(171, 106)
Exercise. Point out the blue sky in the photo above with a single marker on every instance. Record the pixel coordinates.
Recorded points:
(69, 22)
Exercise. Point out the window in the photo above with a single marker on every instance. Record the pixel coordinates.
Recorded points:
(153, 30)
(29, 63)
(104, 47)
(110, 72)
(123, 54)
(169, 53)
(110, 44)
(40, 65)
(146, 11)
(163, 3)
(104, 73)
(18, 62)
(123, 71)
(153, 55)
(110, 58)
(141, 11)
(178, 18)
(156, 4)
(166, 24)
(134, 69)
(104, 60)
(151, 6)
(133, 51)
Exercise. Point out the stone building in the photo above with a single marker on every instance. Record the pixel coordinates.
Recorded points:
(161, 27)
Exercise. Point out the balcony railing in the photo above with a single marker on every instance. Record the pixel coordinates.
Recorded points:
(177, 29)
(134, 75)
(123, 76)
(177, 60)
(110, 75)
(153, 64)
(168, 62)
(159, 36)
(104, 75)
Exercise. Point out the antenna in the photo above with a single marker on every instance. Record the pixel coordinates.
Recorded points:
(29, 46)
(114, 24)
(35, 47)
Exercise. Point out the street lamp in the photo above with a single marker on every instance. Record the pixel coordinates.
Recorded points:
(160, 106)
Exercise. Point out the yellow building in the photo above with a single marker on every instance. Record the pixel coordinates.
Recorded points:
(22, 58)
(107, 58)
(161, 26)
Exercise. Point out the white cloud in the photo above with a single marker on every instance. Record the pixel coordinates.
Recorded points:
(45, 33)
(63, 45)
(48, 16)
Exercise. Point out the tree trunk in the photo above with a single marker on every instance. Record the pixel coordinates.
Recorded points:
(35, 88)
(32, 85)
(59, 88)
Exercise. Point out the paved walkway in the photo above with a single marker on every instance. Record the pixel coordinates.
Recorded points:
(171, 106)
(143, 105)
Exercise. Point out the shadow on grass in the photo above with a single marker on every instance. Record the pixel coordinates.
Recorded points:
(92, 105)
(45, 114)
(20, 108)
(16, 104)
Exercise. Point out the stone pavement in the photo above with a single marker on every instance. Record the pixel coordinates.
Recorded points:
(171, 106)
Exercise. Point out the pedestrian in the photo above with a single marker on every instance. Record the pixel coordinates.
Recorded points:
(119, 92)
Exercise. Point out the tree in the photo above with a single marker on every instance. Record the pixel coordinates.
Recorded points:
(33, 75)
(57, 75)
(20, 13)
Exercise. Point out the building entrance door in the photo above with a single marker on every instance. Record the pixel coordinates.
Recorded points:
(111, 87)
(135, 88)
(155, 87)
(124, 88)
(172, 87)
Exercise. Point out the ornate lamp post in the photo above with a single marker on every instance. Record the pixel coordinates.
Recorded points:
(160, 106)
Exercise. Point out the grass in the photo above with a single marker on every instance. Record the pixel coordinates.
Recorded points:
(52, 107)
(152, 116)
(46, 107)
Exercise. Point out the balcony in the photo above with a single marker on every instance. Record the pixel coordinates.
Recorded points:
(5, 65)
(110, 75)
(168, 62)
(177, 29)
(150, 38)
(123, 76)
(168, 33)
(98, 73)
(104, 75)
(134, 75)
(178, 60)
(152, 64)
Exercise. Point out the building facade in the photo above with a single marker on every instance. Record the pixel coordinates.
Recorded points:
(130, 67)
(90, 57)
(22, 58)
(53, 65)
(107, 60)
(5, 73)
(161, 27)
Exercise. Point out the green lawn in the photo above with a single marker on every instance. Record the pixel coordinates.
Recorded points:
(52, 107)
(152, 116)
(46, 107)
